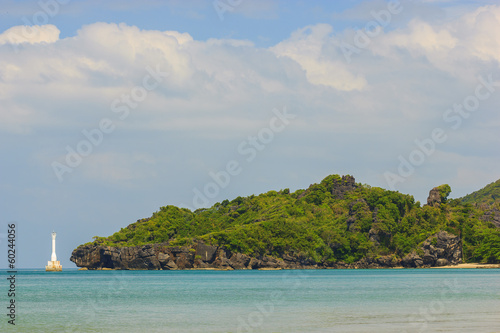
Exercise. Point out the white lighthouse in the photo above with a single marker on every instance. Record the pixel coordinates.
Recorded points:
(53, 265)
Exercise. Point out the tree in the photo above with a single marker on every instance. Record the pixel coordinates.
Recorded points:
(444, 191)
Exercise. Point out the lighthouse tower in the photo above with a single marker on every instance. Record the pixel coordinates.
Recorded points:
(53, 265)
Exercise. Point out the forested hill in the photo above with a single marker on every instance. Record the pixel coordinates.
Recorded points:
(490, 194)
(334, 221)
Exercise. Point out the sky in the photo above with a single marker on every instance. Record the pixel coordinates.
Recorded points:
(110, 110)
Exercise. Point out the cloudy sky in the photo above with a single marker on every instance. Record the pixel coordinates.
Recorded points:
(112, 109)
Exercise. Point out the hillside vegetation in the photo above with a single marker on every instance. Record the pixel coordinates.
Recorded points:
(490, 194)
(335, 220)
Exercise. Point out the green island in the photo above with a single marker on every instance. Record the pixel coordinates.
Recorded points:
(336, 223)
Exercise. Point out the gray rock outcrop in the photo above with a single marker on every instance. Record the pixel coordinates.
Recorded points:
(493, 216)
(438, 250)
(434, 197)
(346, 184)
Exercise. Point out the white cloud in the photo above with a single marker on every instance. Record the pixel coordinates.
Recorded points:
(221, 91)
(305, 46)
(480, 31)
(127, 48)
(30, 34)
(461, 47)
(424, 38)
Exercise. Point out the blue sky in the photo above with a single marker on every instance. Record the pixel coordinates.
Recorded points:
(111, 110)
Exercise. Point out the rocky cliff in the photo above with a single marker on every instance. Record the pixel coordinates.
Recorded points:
(438, 250)
(434, 197)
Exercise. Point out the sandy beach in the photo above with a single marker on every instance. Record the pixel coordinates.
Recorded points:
(471, 265)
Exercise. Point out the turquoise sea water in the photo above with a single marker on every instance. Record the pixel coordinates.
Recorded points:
(397, 300)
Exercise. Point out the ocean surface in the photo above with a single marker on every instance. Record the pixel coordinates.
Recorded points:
(384, 300)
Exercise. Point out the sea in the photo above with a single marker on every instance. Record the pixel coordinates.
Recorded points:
(373, 300)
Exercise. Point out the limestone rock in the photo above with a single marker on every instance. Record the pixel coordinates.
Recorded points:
(373, 236)
(346, 184)
(387, 261)
(206, 252)
(239, 261)
(434, 197)
(492, 216)
(163, 257)
(446, 251)
(442, 262)
(338, 188)
(439, 249)
(170, 265)
(412, 260)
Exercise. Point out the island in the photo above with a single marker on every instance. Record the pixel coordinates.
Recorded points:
(336, 223)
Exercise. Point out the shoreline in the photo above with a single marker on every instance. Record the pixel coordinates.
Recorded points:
(458, 266)
(470, 265)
